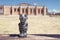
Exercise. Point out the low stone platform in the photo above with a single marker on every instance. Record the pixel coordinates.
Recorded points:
(29, 37)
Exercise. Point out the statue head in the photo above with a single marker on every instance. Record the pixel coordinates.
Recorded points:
(23, 17)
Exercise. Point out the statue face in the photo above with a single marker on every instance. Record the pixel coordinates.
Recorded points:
(23, 17)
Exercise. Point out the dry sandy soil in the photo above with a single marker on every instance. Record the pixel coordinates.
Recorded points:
(36, 24)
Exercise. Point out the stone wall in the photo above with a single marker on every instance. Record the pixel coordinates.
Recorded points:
(7, 10)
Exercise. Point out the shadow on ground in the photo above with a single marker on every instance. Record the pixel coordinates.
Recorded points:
(13, 35)
(47, 35)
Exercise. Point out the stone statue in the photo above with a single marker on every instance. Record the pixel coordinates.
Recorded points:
(23, 25)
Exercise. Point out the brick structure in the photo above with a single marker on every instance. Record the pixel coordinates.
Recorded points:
(23, 8)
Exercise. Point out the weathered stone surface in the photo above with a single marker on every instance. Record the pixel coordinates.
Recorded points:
(29, 37)
(23, 25)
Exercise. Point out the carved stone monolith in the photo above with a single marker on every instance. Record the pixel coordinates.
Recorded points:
(23, 25)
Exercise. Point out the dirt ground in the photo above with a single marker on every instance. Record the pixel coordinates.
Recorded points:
(36, 24)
